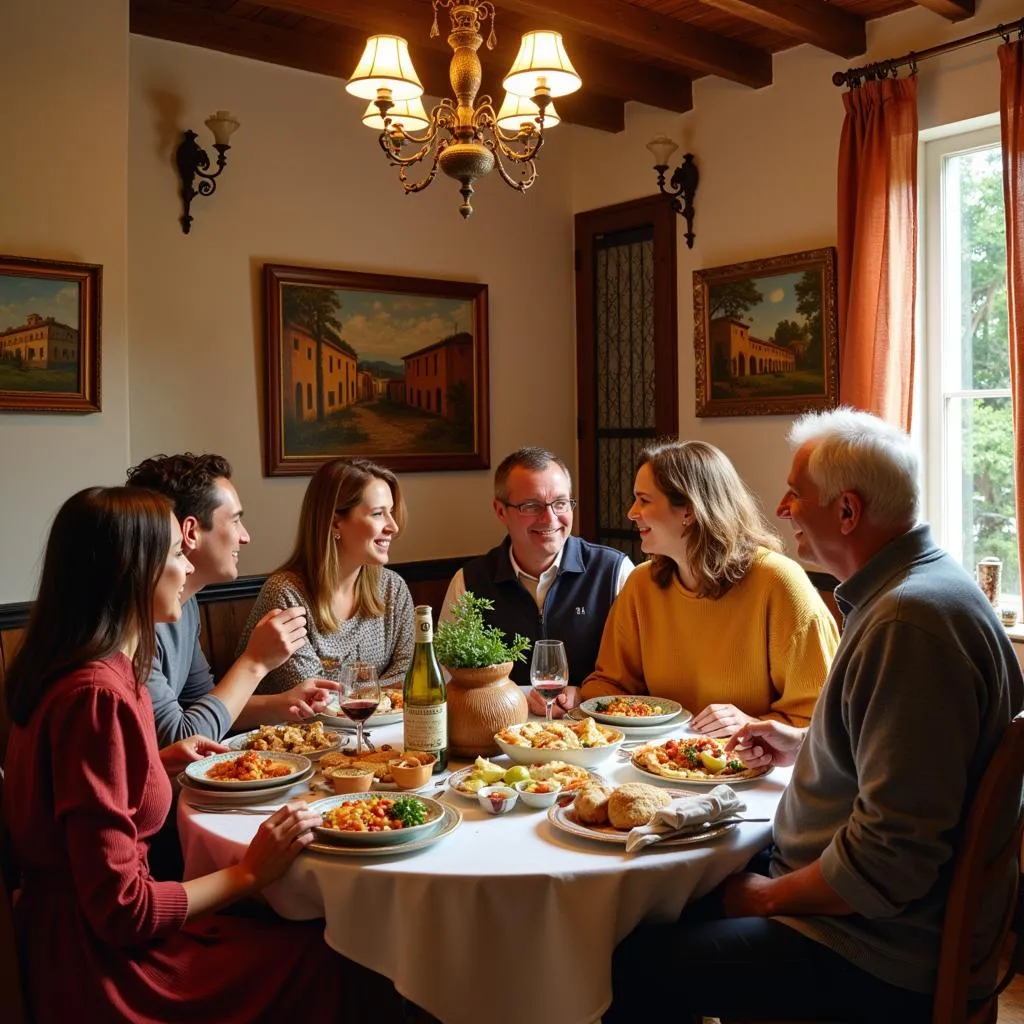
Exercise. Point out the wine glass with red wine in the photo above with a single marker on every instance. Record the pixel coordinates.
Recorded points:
(549, 672)
(359, 695)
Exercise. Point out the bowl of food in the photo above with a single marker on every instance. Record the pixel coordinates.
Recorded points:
(349, 780)
(585, 744)
(538, 793)
(412, 770)
(497, 799)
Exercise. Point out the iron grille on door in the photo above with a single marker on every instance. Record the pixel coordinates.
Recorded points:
(626, 344)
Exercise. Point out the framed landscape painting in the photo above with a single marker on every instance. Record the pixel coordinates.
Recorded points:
(392, 369)
(765, 336)
(49, 336)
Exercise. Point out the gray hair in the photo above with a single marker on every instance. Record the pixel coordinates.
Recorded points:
(858, 452)
(535, 459)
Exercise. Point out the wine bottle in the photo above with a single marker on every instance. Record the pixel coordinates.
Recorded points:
(426, 704)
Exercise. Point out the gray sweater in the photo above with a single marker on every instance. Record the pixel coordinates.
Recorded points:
(180, 683)
(387, 641)
(922, 687)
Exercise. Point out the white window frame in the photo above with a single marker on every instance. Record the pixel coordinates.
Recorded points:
(939, 331)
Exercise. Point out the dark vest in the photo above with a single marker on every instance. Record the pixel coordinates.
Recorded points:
(574, 609)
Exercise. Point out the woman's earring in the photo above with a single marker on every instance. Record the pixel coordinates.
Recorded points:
(337, 536)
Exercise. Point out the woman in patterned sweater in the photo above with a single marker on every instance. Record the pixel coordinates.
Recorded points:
(355, 608)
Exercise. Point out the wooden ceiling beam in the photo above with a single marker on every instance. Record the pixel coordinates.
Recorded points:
(954, 10)
(334, 52)
(651, 35)
(811, 21)
(609, 72)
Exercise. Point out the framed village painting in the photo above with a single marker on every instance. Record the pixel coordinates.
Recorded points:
(387, 368)
(765, 336)
(49, 336)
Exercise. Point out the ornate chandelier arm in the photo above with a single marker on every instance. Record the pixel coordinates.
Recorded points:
(419, 186)
(394, 152)
(525, 164)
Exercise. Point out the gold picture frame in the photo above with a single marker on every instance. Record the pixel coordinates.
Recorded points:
(765, 336)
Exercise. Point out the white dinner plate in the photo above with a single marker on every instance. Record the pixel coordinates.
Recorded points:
(456, 778)
(239, 743)
(435, 818)
(451, 821)
(564, 818)
(200, 794)
(296, 763)
(671, 711)
(641, 732)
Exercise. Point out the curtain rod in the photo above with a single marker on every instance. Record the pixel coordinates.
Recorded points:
(853, 77)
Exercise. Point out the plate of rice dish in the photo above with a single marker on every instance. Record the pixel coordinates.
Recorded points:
(249, 770)
(632, 710)
(375, 819)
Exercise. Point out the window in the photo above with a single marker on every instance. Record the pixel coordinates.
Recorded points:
(969, 431)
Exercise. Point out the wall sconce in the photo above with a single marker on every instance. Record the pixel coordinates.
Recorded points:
(193, 161)
(683, 182)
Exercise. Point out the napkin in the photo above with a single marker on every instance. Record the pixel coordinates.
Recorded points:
(686, 816)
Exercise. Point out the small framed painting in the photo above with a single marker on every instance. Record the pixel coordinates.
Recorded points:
(765, 336)
(392, 369)
(49, 335)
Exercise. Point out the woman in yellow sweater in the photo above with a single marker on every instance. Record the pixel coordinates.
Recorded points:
(717, 619)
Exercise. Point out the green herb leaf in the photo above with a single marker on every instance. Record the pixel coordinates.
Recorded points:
(409, 811)
(467, 642)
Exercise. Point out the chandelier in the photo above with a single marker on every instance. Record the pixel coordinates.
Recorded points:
(464, 138)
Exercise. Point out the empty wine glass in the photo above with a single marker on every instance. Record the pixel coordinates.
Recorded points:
(549, 672)
(359, 694)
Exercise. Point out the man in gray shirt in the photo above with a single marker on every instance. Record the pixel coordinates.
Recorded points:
(186, 701)
(847, 924)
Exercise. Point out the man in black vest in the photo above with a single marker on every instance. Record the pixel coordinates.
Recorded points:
(545, 583)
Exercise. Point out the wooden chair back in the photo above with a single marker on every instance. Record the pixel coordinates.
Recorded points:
(977, 867)
(12, 997)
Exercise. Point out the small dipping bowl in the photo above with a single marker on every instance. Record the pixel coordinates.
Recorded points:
(497, 799)
(412, 770)
(349, 780)
(545, 796)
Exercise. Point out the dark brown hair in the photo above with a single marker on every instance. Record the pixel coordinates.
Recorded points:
(337, 486)
(536, 459)
(190, 481)
(728, 524)
(106, 551)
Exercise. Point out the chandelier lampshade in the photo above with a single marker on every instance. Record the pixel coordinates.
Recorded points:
(519, 112)
(465, 138)
(385, 66)
(408, 114)
(543, 67)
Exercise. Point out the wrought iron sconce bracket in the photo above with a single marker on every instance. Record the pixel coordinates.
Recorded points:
(194, 163)
(682, 188)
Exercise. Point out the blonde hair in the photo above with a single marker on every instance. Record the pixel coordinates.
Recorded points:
(337, 486)
(728, 524)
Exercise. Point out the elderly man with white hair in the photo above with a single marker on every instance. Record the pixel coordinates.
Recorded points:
(846, 924)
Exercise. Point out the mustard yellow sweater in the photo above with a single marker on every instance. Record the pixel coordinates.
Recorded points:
(765, 646)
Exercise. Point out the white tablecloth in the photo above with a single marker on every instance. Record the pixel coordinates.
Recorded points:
(507, 920)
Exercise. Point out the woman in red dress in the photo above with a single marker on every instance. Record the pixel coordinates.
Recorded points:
(86, 788)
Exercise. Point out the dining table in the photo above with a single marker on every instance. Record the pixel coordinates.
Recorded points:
(505, 919)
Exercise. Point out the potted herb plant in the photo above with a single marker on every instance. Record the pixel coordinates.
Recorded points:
(482, 699)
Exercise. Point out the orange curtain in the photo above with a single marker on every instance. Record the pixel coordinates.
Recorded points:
(878, 248)
(1011, 116)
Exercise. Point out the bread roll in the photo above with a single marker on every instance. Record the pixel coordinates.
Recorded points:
(635, 804)
(591, 804)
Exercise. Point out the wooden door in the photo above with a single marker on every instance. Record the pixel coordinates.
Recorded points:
(627, 374)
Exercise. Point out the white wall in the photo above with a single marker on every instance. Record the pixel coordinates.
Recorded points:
(306, 183)
(767, 160)
(63, 93)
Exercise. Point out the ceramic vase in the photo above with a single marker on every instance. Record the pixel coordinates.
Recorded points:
(481, 702)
